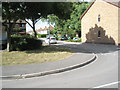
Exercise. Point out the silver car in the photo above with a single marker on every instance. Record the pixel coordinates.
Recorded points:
(52, 40)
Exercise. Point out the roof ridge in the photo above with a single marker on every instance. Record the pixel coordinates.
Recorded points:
(112, 3)
(93, 3)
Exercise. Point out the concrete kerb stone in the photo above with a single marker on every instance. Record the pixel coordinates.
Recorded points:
(50, 71)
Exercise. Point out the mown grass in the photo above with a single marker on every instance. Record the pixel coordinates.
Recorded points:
(45, 54)
(71, 40)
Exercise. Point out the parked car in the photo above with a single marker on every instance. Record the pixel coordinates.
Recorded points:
(75, 38)
(52, 40)
(62, 38)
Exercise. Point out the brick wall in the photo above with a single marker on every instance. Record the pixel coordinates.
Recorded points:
(108, 25)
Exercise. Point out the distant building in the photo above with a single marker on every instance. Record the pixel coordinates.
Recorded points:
(42, 31)
(19, 28)
(100, 22)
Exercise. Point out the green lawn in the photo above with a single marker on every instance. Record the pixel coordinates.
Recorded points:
(46, 54)
(73, 40)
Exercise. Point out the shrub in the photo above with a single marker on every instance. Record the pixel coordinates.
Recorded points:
(42, 35)
(24, 36)
(21, 43)
(3, 46)
(71, 40)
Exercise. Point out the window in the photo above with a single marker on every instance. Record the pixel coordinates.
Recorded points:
(99, 34)
(23, 25)
(99, 18)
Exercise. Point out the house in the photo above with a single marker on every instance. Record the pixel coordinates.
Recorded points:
(19, 28)
(45, 30)
(100, 22)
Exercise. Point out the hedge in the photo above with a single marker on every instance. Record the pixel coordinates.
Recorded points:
(21, 43)
(42, 35)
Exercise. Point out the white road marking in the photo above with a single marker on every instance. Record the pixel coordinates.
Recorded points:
(109, 84)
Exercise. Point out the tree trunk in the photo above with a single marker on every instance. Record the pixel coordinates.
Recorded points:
(33, 26)
(8, 37)
(35, 33)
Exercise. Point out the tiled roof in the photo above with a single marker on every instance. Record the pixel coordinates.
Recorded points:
(46, 28)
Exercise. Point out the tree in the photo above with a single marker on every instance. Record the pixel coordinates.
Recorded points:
(42, 9)
(34, 11)
(10, 13)
(71, 25)
(78, 10)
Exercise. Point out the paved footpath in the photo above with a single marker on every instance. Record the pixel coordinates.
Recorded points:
(34, 68)
(83, 53)
(77, 58)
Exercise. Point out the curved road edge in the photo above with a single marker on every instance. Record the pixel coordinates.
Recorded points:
(50, 71)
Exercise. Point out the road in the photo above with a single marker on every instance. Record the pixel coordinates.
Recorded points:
(102, 73)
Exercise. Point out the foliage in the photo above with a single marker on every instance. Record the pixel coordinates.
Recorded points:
(71, 26)
(21, 43)
(12, 11)
(71, 40)
(17, 29)
(23, 36)
(43, 9)
(41, 35)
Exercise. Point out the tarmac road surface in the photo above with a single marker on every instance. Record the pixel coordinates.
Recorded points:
(102, 73)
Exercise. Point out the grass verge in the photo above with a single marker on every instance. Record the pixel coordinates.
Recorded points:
(45, 54)
(74, 40)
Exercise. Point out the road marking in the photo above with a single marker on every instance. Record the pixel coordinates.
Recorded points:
(107, 84)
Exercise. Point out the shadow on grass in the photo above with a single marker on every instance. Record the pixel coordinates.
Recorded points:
(49, 49)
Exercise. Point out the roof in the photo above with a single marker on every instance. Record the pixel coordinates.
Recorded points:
(46, 28)
(112, 2)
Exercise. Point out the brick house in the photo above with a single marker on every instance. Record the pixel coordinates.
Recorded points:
(19, 28)
(100, 22)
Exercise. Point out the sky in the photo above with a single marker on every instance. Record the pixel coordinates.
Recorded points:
(40, 24)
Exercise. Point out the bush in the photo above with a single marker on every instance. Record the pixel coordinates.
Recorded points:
(42, 35)
(71, 40)
(3, 47)
(24, 36)
(21, 43)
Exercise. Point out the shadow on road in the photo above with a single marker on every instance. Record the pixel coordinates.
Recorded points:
(90, 47)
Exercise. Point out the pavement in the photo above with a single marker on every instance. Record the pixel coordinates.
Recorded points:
(84, 54)
(101, 73)
(33, 70)
(78, 59)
